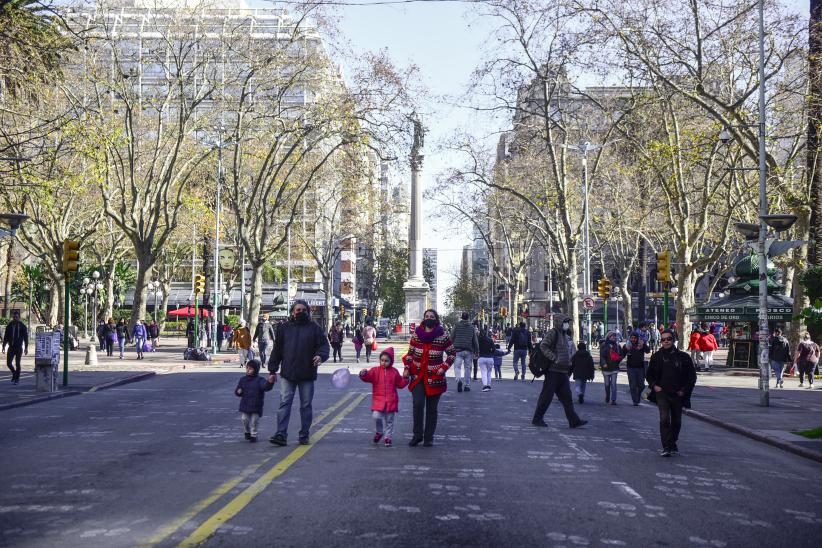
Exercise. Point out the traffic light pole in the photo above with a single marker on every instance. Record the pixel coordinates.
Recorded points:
(605, 313)
(665, 305)
(67, 307)
(196, 319)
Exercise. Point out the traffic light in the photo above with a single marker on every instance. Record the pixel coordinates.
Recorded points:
(71, 256)
(604, 288)
(342, 310)
(663, 266)
(503, 311)
(365, 312)
(199, 284)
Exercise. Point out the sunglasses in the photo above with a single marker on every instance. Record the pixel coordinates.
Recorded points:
(666, 339)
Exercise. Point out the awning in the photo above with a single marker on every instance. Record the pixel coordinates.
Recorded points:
(744, 308)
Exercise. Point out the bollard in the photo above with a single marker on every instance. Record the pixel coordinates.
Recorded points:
(91, 355)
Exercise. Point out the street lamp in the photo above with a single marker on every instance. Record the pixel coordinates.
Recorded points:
(93, 288)
(154, 288)
(584, 149)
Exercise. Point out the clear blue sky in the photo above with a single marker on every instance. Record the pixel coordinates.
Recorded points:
(444, 39)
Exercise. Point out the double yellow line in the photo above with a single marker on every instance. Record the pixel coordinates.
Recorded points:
(244, 498)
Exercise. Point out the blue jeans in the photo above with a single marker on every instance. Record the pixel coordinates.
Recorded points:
(610, 385)
(121, 343)
(636, 382)
(462, 362)
(777, 370)
(287, 390)
(140, 342)
(580, 385)
(520, 355)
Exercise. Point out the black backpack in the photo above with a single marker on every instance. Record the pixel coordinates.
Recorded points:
(538, 363)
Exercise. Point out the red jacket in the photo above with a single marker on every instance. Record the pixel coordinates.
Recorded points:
(427, 354)
(694, 342)
(384, 383)
(707, 343)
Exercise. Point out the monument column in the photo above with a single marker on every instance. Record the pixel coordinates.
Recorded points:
(416, 288)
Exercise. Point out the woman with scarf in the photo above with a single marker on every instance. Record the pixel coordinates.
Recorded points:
(610, 354)
(429, 356)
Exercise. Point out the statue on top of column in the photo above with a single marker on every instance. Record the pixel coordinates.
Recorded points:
(419, 135)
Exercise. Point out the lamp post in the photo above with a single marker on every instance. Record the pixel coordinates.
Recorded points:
(95, 286)
(584, 149)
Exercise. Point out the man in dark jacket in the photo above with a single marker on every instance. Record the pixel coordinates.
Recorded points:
(671, 376)
(16, 340)
(264, 337)
(635, 351)
(780, 354)
(300, 346)
(521, 341)
(558, 347)
(466, 342)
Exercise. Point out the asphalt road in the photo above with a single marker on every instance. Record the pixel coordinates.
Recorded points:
(164, 462)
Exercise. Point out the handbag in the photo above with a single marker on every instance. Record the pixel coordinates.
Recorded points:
(374, 344)
(614, 355)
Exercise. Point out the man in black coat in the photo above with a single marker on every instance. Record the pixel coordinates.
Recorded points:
(671, 376)
(16, 339)
(300, 346)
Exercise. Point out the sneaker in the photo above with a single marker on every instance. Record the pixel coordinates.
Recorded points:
(278, 439)
(252, 439)
(466, 389)
(388, 442)
(801, 385)
(675, 450)
(248, 435)
(538, 423)
(613, 403)
(459, 386)
(486, 388)
(304, 441)
(378, 437)
(580, 423)
(428, 444)
(414, 442)
(665, 453)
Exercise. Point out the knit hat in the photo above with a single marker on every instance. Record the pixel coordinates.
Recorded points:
(255, 363)
(390, 353)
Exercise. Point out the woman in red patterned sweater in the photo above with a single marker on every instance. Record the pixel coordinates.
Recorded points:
(429, 356)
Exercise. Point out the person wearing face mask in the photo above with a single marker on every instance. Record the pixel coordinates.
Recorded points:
(300, 346)
(610, 354)
(558, 348)
(429, 356)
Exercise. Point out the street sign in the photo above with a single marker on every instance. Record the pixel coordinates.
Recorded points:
(588, 303)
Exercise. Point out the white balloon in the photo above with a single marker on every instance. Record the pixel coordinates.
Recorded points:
(340, 378)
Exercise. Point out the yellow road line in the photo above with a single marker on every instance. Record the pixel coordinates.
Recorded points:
(221, 490)
(236, 505)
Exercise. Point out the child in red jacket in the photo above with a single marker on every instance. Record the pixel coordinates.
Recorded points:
(385, 380)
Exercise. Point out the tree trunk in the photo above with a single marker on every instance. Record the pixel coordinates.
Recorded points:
(814, 144)
(329, 304)
(684, 300)
(110, 291)
(800, 257)
(56, 301)
(627, 300)
(164, 305)
(7, 279)
(255, 302)
(145, 265)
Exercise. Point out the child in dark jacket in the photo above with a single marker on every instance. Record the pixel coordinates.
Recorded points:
(498, 354)
(582, 365)
(252, 388)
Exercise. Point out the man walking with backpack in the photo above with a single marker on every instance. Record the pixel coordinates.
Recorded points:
(466, 343)
(521, 341)
(557, 349)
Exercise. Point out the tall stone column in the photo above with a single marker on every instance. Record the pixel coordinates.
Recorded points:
(416, 288)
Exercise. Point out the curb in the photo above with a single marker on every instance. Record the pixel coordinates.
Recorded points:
(55, 396)
(755, 435)
(120, 382)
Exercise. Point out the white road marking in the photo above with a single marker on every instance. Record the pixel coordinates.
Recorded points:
(628, 490)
